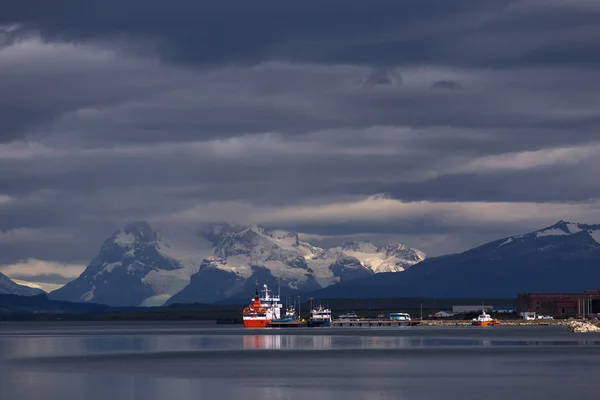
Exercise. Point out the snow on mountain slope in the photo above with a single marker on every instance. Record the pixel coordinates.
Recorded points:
(293, 263)
(127, 271)
(141, 266)
(390, 258)
(8, 286)
(564, 257)
(595, 234)
(564, 228)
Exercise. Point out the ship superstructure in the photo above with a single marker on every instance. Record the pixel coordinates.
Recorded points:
(262, 310)
(320, 316)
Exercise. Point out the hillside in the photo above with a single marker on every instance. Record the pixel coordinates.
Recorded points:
(8, 286)
(564, 257)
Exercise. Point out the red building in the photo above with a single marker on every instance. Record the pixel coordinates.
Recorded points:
(569, 304)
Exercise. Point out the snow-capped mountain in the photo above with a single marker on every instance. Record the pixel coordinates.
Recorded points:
(125, 271)
(561, 228)
(140, 266)
(8, 286)
(564, 257)
(390, 258)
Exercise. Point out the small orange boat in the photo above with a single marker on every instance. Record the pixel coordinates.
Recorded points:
(485, 319)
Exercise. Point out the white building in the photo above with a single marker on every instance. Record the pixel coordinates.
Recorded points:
(443, 314)
(470, 309)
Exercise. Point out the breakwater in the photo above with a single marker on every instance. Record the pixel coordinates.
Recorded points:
(509, 322)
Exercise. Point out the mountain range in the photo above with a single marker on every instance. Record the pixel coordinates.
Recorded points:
(8, 286)
(564, 257)
(138, 265)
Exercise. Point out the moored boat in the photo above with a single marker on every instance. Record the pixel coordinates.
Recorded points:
(262, 310)
(320, 316)
(485, 319)
(289, 316)
(349, 316)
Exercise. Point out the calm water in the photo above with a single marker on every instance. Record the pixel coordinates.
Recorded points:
(166, 360)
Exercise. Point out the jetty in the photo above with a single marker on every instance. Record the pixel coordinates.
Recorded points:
(287, 324)
(372, 322)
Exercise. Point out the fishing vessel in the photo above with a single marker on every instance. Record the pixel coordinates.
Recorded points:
(320, 316)
(289, 316)
(262, 310)
(485, 319)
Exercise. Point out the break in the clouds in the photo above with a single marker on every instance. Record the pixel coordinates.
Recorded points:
(438, 124)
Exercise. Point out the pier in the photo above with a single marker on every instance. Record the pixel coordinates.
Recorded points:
(287, 324)
(372, 323)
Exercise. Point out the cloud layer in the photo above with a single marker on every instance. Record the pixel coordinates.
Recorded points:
(473, 119)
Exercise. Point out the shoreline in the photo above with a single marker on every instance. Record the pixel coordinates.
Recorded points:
(515, 322)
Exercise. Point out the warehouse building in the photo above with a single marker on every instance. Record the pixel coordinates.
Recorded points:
(567, 304)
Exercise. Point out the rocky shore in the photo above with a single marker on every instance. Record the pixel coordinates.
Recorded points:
(584, 327)
(573, 324)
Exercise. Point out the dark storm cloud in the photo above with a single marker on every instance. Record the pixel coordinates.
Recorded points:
(384, 34)
(455, 32)
(40, 83)
(248, 32)
(509, 187)
(269, 111)
(446, 85)
(133, 103)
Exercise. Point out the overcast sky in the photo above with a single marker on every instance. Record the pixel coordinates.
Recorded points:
(438, 124)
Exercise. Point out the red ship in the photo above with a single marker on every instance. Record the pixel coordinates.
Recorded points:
(261, 311)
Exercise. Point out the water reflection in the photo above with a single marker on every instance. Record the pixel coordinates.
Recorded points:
(262, 342)
(277, 342)
(149, 364)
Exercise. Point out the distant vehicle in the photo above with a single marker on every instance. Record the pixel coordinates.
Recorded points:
(544, 317)
(397, 316)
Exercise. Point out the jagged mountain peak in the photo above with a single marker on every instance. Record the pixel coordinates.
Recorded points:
(403, 251)
(127, 270)
(132, 235)
(565, 228)
(358, 245)
(586, 235)
(216, 260)
(562, 227)
(279, 234)
(388, 258)
(8, 286)
(141, 229)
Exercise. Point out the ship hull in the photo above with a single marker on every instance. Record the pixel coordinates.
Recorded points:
(256, 323)
(319, 323)
(275, 321)
(485, 323)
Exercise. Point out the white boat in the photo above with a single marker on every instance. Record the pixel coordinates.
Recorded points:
(348, 316)
(485, 319)
(320, 316)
